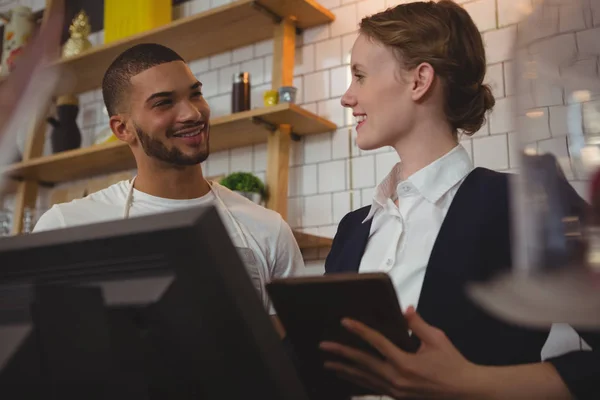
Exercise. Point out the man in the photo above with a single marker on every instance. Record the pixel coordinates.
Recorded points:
(155, 105)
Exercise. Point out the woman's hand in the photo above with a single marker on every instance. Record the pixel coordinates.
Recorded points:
(436, 370)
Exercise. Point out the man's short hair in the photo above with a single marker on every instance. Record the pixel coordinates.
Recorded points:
(131, 62)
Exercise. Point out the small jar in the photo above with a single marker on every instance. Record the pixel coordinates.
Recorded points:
(240, 94)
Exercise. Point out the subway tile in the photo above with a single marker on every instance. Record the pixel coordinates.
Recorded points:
(305, 59)
(572, 17)
(210, 83)
(340, 79)
(332, 110)
(330, 3)
(317, 210)
(483, 13)
(263, 48)
(332, 176)
(347, 44)
(370, 7)
(558, 120)
(298, 83)
(495, 78)
(535, 125)
(341, 143)
(302, 180)
(587, 41)
(219, 3)
(268, 68)
(491, 152)
(316, 86)
(311, 107)
(198, 6)
(328, 53)
(512, 11)
(241, 159)
(367, 196)
(509, 76)
(297, 153)
(218, 163)
(363, 172)
(226, 78)
(295, 212)
(220, 105)
(341, 205)
(346, 20)
(199, 65)
(514, 157)
(467, 144)
(90, 115)
(384, 162)
(501, 119)
(317, 148)
(256, 69)
(220, 60)
(260, 157)
(243, 54)
(316, 34)
(545, 94)
(499, 44)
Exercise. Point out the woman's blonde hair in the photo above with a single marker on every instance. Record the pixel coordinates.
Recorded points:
(443, 35)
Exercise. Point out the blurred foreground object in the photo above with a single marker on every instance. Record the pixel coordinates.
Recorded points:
(27, 92)
(19, 25)
(556, 248)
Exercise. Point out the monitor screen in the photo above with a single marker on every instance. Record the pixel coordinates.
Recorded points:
(151, 307)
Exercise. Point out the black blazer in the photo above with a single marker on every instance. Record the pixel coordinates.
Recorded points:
(473, 245)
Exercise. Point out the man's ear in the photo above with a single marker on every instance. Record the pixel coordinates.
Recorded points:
(118, 125)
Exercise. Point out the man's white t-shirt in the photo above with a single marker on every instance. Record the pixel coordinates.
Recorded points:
(274, 250)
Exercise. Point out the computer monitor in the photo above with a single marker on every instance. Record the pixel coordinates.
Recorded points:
(153, 307)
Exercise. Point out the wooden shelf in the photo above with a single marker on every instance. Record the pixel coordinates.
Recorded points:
(227, 132)
(234, 25)
(307, 241)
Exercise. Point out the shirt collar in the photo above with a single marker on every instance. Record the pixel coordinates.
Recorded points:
(432, 181)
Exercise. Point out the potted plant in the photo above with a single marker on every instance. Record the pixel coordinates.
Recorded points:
(246, 184)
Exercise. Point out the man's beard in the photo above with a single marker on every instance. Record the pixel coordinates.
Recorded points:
(156, 149)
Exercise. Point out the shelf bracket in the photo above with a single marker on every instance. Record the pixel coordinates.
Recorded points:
(272, 127)
(273, 15)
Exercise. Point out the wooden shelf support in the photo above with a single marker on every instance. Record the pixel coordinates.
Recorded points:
(278, 143)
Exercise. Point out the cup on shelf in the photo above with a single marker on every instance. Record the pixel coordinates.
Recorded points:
(270, 97)
(287, 94)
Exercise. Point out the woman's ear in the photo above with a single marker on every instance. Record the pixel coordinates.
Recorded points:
(118, 125)
(422, 79)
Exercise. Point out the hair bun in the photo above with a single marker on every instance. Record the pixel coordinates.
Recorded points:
(474, 114)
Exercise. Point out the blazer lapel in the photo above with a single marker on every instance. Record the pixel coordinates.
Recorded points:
(354, 247)
(446, 260)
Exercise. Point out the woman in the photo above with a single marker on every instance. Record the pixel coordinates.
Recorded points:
(436, 222)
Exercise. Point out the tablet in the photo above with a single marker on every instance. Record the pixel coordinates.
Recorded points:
(311, 310)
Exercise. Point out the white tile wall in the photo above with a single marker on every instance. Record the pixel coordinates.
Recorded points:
(330, 176)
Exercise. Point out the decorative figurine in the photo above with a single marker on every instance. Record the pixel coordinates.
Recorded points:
(66, 134)
(80, 30)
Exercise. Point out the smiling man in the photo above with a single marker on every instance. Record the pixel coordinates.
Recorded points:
(156, 106)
